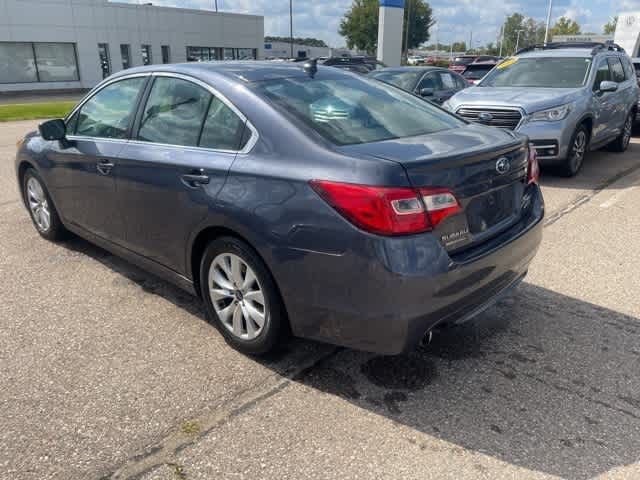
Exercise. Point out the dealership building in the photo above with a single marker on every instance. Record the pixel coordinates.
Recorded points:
(628, 32)
(74, 44)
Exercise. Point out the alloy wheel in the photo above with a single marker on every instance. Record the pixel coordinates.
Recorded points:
(627, 131)
(578, 150)
(38, 204)
(237, 296)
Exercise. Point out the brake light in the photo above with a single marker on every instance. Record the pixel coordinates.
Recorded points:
(440, 203)
(533, 167)
(388, 210)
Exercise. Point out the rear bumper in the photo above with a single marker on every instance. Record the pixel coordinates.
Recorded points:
(384, 295)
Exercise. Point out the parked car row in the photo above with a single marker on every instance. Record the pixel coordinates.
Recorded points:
(567, 98)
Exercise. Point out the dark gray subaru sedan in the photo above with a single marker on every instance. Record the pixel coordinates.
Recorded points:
(292, 199)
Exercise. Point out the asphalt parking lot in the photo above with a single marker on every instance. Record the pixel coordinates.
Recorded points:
(110, 373)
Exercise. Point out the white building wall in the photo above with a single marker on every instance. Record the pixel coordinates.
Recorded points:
(89, 22)
(628, 32)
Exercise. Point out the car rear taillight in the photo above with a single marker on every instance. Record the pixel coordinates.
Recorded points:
(533, 167)
(388, 210)
(440, 204)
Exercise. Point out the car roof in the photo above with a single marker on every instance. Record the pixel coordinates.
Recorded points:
(580, 52)
(409, 69)
(243, 71)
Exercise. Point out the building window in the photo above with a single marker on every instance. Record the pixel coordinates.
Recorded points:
(125, 53)
(23, 62)
(203, 54)
(147, 59)
(105, 61)
(17, 63)
(166, 54)
(229, 54)
(246, 53)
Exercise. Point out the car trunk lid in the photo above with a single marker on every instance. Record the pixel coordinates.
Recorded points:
(484, 168)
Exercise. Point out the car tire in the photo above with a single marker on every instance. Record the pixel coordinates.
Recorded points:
(41, 208)
(241, 297)
(621, 143)
(578, 149)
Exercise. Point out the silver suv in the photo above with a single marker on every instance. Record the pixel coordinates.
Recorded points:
(567, 98)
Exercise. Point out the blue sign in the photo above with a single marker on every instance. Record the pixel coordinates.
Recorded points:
(392, 3)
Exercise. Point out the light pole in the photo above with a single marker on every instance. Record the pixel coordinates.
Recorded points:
(502, 38)
(291, 25)
(546, 32)
(406, 33)
(518, 39)
(216, 2)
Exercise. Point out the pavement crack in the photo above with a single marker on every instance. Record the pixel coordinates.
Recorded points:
(165, 451)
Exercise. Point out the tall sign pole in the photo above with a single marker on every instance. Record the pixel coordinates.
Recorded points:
(390, 24)
(546, 32)
(291, 25)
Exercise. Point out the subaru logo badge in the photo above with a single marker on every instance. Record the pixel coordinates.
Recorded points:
(502, 165)
(485, 117)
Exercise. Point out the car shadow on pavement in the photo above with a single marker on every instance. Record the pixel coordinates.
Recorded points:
(601, 168)
(278, 360)
(541, 380)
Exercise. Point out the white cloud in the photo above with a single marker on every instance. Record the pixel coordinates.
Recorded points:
(456, 18)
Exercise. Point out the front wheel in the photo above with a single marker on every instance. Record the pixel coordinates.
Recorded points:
(577, 151)
(241, 297)
(621, 143)
(42, 210)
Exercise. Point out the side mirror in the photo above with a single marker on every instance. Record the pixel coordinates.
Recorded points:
(608, 86)
(53, 129)
(427, 92)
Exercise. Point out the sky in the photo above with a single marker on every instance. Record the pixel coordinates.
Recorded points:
(455, 18)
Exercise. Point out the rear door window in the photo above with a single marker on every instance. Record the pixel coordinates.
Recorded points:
(222, 128)
(447, 80)
(174, 112)
(430, 80)
(617, 72)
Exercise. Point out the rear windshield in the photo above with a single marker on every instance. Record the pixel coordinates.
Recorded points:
(556, 72)
(406, 80)
(463, 60)
(349, 111)
(476, 72)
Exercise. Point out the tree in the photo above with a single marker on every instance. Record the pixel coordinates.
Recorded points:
(459, 46)
(421, 20)
(359, 25)
(565, 26)
(531, 33)
(610, 27)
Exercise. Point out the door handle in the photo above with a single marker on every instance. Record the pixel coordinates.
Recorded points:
(195, 180)
(104, 167)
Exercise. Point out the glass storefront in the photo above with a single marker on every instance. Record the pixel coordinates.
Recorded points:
(204, 54)
(125, 53)
(147, 58)
(105, 61)
(26, 62)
